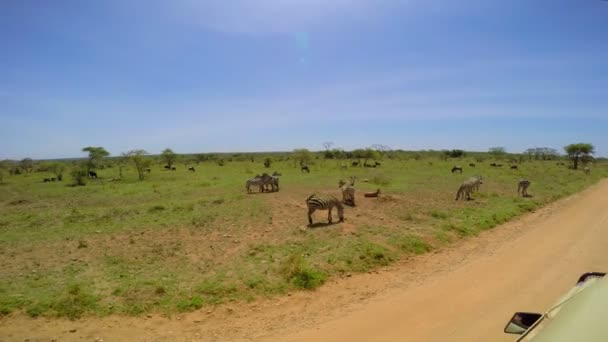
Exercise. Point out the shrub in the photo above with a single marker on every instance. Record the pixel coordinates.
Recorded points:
(79, 177)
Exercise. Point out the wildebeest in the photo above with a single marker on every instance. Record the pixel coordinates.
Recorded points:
(457, 168)
(53, 179)
(47, 180)
(191, 168)
(148, 170)
(276, 174)
(173, 169)
(369, 165)
(93, 174)
(304, 168)
(167, 167)
(493, 165)
(355, 163)
(472, 165)
(377, 163)
(266, 163)
(514, 167)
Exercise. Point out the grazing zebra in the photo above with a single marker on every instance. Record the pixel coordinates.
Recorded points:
(256, 181)
(372, 194)
(587, 170)
(522, 187)
(468, 187)
(324, 202)
(457, 168)
(348, 191)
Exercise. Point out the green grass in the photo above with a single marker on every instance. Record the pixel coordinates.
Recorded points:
(181, 241)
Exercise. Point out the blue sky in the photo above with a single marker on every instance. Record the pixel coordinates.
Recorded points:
(249, 75)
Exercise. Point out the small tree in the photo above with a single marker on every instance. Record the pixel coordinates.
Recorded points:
(578, 152)
(139, 159)
(96, 154)
(58, 169)
(497, 152)
(27, 165)
(267, 162)
(79, 174)
(169, 157)
(303, 156)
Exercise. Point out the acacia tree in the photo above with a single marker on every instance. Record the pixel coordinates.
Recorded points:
(579, 152)
(58, 169)
(169, 157)
(302, 155)
(498, 152)
(140, 160)
(27, 164)
(96, 154)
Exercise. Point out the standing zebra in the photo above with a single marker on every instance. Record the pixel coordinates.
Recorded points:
(523, 186)
(256, 181)
(587, 170)
(348, 191)
(468, 187)
(324, 202)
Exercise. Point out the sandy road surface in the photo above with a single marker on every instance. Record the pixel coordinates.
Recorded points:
(465, 292)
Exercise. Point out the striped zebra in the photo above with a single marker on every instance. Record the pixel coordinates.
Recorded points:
(522, 187)
(587, 170)
(256, 181)
(348, 191)
(468, 187)
(324, 202)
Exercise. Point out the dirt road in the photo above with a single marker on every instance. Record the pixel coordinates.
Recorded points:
(529, 271)
(462, 293)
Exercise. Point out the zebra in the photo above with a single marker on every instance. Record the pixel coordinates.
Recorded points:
(468, 187)
(324, 202)
(523, 187)
(348, 191)
(457, 168)
(587, 170)
(255, 181)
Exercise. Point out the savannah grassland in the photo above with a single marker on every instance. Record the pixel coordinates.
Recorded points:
(180, 241)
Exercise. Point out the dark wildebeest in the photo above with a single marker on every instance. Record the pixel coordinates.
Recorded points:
(472, 165)
(276, 174)
(93, 174)
(355, 164)
(457, 168)
(493, 165)
(47, 180)
(173, 168)
(167, 167)
(514, 167)
(53, 179)
(191, 168)
(148, 170)
(304, 168)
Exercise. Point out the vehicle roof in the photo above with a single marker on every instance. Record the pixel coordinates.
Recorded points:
(582, 317)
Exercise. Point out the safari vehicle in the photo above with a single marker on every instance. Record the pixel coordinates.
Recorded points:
(581, 315)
